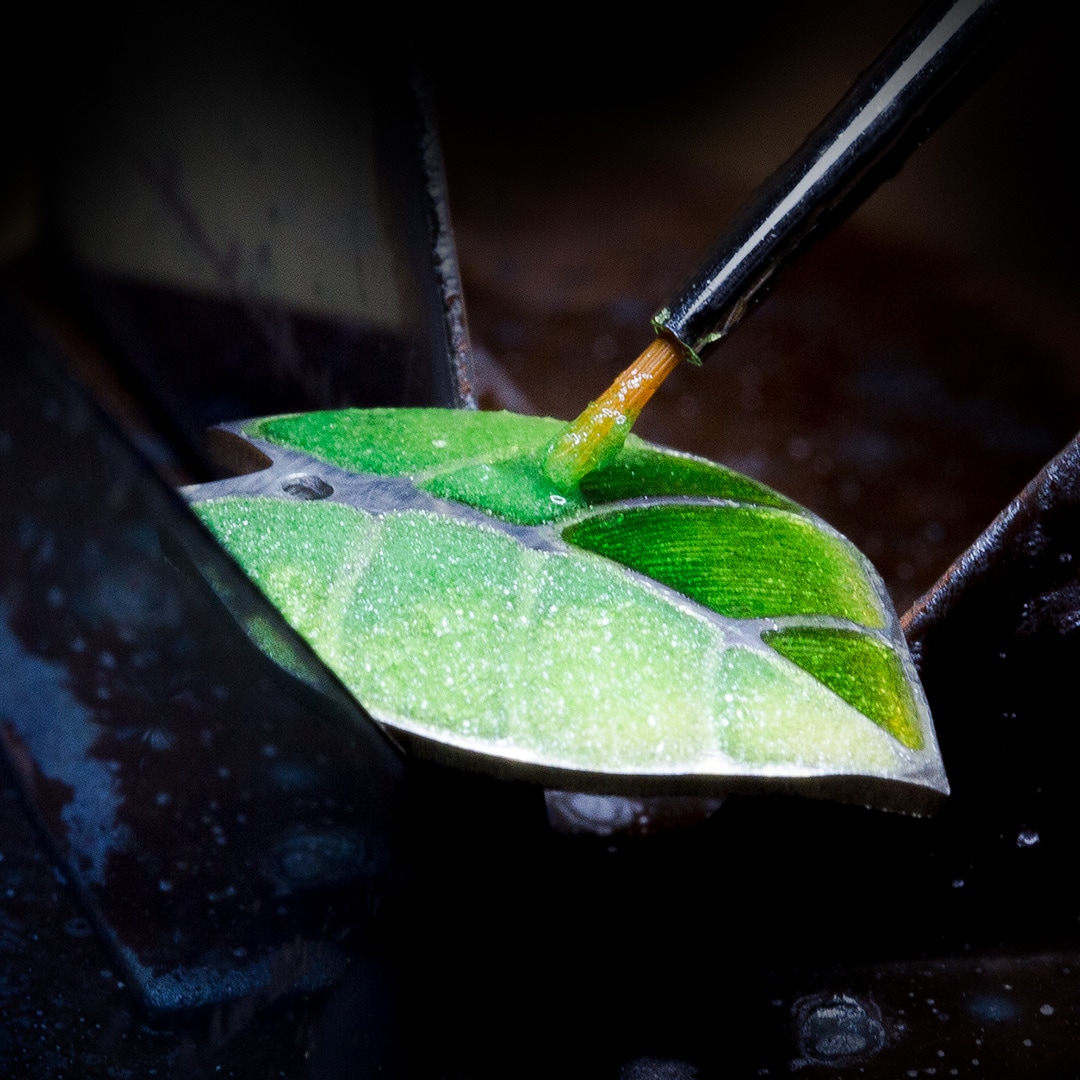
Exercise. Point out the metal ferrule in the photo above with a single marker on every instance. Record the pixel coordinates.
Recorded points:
(891, 108)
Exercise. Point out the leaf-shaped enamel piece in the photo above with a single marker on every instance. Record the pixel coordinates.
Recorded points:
(669, 626)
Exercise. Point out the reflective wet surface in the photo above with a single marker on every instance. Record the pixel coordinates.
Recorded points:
(213, 827)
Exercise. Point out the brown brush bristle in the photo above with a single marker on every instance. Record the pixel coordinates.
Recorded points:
(598, 434)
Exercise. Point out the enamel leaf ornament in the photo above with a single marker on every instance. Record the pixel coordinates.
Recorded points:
(666, 625)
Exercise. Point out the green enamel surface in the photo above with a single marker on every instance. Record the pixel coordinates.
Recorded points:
(446, 626)
(745, 562)
(461, 629)
(640, 470)
(864, 672)
(406, 442)
(494, 461)
(514, 489)
(776, 717)
(442, 625)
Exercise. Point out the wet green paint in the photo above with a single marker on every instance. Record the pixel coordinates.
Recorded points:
(437, 624)
(745, 562)
(494, 461)
(518, 646)
(861, 670)
(640, 471)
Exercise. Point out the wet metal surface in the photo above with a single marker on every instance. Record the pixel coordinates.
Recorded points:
(224, 836)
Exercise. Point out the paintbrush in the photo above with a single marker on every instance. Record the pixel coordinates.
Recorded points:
(914, 84)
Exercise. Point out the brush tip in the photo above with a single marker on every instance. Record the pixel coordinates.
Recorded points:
(594, 439)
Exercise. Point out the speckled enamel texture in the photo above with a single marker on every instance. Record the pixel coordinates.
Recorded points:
(670, 625)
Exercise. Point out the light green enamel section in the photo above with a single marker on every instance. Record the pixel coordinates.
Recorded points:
(456, 629)
(776, 715)
(494, 461)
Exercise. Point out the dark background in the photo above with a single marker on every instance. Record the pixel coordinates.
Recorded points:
(904, 381)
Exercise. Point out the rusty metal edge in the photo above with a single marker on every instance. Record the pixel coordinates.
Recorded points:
(444, 248)
(1058, 481)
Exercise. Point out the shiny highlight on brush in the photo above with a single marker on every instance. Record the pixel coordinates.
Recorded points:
(598, 434)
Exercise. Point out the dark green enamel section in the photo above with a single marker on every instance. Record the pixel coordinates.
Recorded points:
(864, 672)
(407, 442)
(640, 471)
(744, 562)
(490, 460)
(494, 461)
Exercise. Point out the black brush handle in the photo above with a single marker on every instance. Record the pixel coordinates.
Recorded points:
(892, 107)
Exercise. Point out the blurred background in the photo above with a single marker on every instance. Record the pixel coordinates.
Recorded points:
(904, 381)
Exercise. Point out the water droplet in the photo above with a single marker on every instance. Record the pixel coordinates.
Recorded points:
(1047, 1010)
(933, 532)
(309, 859)
(1027, 838)
(602, 815)
(838, 1028)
